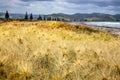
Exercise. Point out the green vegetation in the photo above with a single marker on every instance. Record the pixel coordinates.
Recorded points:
(39, 18)
(7, 15)
(26, 16)
(49, 50)
(31, 16)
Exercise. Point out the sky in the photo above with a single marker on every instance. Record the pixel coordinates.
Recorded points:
(60, 6)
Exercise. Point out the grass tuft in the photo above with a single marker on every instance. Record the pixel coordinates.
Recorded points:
(50, 50)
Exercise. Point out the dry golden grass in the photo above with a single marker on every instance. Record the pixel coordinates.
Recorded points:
(57, 51)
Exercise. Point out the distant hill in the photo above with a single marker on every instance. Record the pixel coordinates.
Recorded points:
(73, 17)
(90, 17)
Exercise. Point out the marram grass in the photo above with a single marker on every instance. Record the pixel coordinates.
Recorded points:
(57, 51)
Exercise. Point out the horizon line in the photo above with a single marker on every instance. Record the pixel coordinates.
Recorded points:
(57, 13)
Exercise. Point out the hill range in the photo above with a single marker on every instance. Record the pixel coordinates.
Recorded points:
(72, 17)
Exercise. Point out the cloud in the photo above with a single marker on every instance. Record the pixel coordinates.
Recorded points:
(36, 0)
(61, 6)
(96, 2)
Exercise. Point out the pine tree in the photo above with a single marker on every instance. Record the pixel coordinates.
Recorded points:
(31, 16)
(49, 18)
(55, 19)
(26, 16)
(6, 15)
(39, 18)
(58, 19)
(44, 18)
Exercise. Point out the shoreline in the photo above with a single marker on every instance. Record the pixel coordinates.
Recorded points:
(113, 30)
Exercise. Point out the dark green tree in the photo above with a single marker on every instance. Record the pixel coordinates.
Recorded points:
(44, 18)
(49, 18)
(26, 16)
(39, 18)
(58, 19)
(55, 19)
(31, 16)
(6, 15)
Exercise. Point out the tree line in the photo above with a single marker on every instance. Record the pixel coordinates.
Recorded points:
(30, 17)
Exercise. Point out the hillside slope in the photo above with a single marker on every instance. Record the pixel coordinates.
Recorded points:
(57, 51)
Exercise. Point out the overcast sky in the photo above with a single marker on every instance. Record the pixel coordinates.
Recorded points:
(60, 6)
